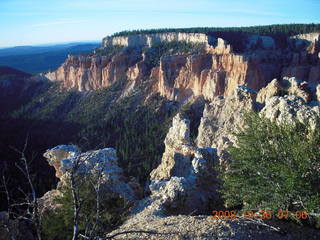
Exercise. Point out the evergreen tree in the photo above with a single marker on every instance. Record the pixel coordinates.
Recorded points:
(274, 166)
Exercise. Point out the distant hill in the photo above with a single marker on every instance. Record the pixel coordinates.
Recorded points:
(43, 48)
(5, 71)
(36, 59)
(16, 89)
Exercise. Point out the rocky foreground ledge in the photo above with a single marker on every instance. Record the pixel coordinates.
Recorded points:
(204, 227)
(185, 181)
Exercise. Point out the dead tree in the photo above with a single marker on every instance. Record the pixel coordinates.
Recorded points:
(28, 208)
(75, 185)
(78, 179)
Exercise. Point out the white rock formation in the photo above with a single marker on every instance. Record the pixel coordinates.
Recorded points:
(289, 109)
(223, 117)
(183, 179)
(307, 41)
(55, 155)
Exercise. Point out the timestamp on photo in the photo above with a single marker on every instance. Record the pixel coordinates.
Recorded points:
(261, 214)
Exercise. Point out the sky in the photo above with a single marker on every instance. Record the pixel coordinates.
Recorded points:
(30, 22)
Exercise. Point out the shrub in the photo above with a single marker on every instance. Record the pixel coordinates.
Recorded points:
(273, 166)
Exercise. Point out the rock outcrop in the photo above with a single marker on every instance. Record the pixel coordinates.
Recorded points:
(318, 93)
(86, 73)
(57, 154)
(287, 86)
(178, 149)
(298, 88)
(183, 227)
(102, 162)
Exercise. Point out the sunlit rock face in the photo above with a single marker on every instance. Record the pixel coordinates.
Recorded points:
(55, 155)
(103, 162)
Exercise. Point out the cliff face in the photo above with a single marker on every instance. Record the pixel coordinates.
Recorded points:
(90, 73)
(146, 40)
(216, 71)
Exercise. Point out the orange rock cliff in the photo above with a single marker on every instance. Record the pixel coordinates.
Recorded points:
(215, 71)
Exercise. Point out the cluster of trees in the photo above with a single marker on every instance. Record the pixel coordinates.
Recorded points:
(287, 29)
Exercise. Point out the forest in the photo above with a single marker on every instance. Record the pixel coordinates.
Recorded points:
(287, 29)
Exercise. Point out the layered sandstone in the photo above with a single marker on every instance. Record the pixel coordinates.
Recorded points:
(86, 73)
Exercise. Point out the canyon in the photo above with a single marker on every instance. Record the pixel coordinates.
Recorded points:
(161, 124)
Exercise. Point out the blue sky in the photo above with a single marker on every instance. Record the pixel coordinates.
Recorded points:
(26, 22)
